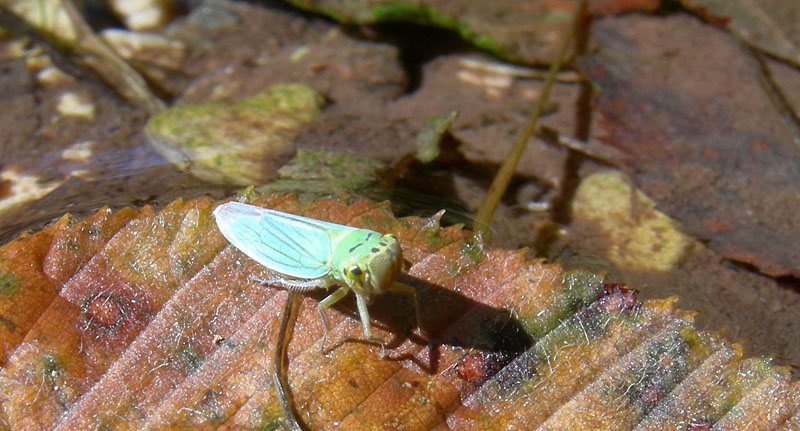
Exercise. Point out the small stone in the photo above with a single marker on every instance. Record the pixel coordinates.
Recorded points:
(72, 105)
(78, 152)
(141, 14)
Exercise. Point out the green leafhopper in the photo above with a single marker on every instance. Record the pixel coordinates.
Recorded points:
(309, 254)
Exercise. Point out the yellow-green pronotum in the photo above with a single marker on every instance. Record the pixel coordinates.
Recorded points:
(309, 254)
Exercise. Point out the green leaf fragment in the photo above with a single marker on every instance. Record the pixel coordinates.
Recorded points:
(473, 250)
(428, 139)
(322, 172)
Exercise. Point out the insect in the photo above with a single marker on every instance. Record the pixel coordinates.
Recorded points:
(309, 254)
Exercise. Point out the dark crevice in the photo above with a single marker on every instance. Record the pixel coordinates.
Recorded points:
(98, 15)
(280, 5)
(436, 182)
(786, 281)
(771, 89)
(583, 111)
(668, 7)
(789, 282)
(418, 45)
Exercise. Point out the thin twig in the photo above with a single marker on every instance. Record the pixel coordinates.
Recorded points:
(125, 79)
(503, 177)
(104, 63)
(280, 362)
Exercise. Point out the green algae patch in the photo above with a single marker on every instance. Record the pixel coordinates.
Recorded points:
(239, 142)
(314, 173)
(422, 14)
(8, 284)
(510, 29)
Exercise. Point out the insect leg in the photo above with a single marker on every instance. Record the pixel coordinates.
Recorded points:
(331, 299)
(404, 288)
(363, 312)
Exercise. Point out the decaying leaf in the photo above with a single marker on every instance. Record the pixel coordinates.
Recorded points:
(768, 25)
(321, 172)
(241, 142)
(430, 136)
(145, 319)
(518, 31)
(697, 148)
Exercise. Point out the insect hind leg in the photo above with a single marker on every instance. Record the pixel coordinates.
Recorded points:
(293, 284)
(363, 313)
(331, 299)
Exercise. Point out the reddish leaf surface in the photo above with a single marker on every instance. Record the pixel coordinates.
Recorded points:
(704, 140)
(772, 26)
(158, 325)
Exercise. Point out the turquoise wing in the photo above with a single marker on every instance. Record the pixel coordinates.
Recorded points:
(292, 245)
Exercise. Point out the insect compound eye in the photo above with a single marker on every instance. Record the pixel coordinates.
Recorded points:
(355, 270)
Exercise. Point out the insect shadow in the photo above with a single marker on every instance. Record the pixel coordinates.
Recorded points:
(447, 318)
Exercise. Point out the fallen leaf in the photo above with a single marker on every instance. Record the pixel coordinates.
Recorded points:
(525, 32)
(768, 25)
(157, 324)
(701, 136)
(240, 142)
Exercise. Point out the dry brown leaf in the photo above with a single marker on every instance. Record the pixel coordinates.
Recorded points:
(148, 320)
